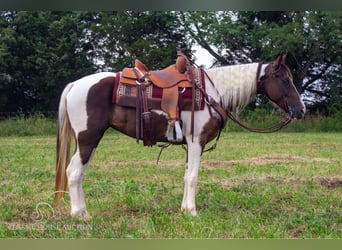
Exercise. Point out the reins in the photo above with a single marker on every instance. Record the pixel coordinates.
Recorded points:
(270, 129)
(224, 114)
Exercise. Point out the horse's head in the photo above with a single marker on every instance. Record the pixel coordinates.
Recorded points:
(276, 82)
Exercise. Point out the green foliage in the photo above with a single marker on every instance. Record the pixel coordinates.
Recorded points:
(332, 123)
(262, 118)
(152, 37)
(43, 52)
(312, 40)
(22, 125)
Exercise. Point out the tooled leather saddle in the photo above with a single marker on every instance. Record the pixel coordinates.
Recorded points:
(171, 90)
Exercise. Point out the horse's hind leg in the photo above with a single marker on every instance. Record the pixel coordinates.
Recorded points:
(87, 142)
(75, 174)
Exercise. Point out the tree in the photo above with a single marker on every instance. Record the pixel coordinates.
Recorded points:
(121, 37)
(313, 40)
(40, 53)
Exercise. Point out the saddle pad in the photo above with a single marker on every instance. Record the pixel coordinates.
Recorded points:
(125, 95)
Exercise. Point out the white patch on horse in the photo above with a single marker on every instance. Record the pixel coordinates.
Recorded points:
(77, 100)
(75, 173)
(191, 175)
(160, 112)
(262, 71)
(62, 106)
(236, 84)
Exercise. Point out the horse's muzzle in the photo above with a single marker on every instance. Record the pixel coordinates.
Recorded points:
(297, 112)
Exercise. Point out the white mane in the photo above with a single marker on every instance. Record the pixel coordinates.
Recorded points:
(236, 84)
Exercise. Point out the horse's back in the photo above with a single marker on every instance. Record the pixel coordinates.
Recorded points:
(93, 78)
(80, 88)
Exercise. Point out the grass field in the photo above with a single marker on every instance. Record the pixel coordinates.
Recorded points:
(281, 185)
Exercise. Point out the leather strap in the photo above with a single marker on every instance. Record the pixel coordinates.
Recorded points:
(189, 71)
(146, 118)
(228, 113)
(143, 115)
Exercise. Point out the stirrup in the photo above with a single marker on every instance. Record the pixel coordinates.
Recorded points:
(174, 133)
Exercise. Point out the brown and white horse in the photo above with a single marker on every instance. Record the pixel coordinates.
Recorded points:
(86, 111)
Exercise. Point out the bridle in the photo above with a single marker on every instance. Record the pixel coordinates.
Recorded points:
(228, 113)
(225, 114)
(270, 129)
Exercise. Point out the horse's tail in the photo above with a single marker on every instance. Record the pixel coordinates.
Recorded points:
(64, 133)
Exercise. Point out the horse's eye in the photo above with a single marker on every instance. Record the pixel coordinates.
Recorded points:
(286, 81)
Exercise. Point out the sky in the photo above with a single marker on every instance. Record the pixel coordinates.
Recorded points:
(202, 57)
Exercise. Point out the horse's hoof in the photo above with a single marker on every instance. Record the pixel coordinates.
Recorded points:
(192, 212)
(82, 214)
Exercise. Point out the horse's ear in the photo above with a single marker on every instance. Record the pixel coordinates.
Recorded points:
(280, 60)
(283, 56)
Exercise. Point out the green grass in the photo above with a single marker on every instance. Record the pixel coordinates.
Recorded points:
(280, 185)
(21, 125)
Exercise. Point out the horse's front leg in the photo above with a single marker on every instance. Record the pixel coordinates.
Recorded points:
(190, 177)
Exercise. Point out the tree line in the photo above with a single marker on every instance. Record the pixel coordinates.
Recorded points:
(42, 51)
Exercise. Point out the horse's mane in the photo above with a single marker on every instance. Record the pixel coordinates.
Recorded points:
(236, 84)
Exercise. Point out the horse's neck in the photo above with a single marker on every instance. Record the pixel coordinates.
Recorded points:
(235, 84)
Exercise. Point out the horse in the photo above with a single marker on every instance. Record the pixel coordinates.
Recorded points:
(86, 111)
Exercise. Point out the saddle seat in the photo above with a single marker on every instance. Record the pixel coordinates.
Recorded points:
(180, 65)
(165, 78)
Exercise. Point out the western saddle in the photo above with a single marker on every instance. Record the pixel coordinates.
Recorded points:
(182, 74)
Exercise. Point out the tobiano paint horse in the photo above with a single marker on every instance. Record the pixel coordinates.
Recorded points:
(86, 111)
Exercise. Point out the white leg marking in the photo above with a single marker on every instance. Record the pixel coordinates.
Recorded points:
(75, 174)
(194, 157)
(185, 194)
(191, 175)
